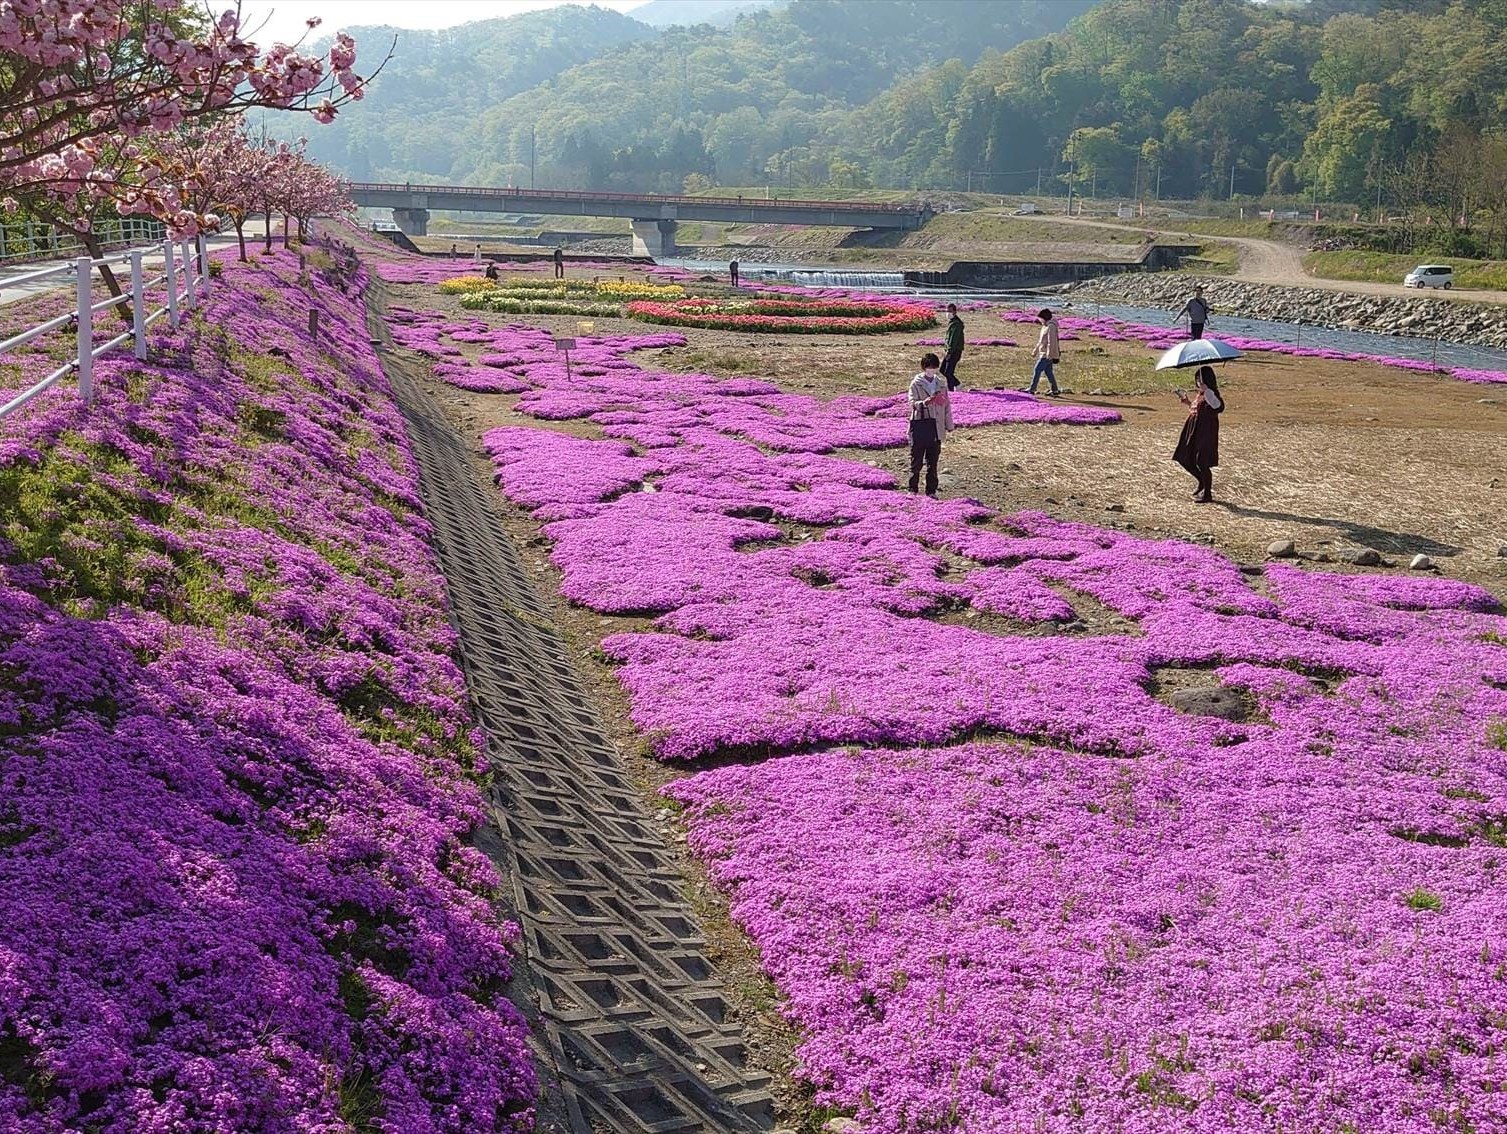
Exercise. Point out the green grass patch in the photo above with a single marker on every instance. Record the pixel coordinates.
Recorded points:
(1421, 899)
(1214, 258)
(1496, 733)
(1387, 267)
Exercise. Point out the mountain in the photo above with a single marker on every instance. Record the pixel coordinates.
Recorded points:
(732, 104)
(438, 82)
(718, 13)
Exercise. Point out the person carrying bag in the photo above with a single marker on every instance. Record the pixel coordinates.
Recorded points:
(930, 420)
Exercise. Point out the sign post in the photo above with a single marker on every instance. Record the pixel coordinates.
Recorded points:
(566, 346)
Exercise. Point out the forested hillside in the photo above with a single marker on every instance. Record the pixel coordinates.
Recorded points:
(663, 13)
(412, 122)
(647, 108)
(1379, 102)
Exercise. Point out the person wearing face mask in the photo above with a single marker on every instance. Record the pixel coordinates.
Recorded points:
(930, 420)
(1198, 447)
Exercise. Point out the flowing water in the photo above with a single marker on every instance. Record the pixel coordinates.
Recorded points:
(1442, 352)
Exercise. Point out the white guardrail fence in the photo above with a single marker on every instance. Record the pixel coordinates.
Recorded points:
(185, 272)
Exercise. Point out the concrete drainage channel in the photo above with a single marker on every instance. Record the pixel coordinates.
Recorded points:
(630, 1023)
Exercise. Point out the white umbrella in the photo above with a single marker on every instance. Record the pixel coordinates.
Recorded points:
(1196, 352)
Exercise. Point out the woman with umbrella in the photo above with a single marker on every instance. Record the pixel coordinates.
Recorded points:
(1198, 447)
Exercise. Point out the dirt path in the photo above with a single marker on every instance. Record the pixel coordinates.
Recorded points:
(1273, 262)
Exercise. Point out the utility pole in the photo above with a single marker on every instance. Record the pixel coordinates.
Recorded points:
(1159, 179)
(531, 147)
(1038, 181)
(1232, 181)
(1136, 189)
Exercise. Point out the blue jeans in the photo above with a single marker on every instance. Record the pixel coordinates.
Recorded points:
(1044, 366)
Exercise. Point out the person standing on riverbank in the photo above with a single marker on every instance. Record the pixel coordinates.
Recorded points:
(559, 262)
(930, 421)
(952, 347)
(732, 272)
(1048, 353)
(1197, 311)
(1198, 446)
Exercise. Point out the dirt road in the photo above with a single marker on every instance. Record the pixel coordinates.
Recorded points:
(1273, 262)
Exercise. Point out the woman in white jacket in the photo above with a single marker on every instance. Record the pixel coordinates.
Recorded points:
(930, 421)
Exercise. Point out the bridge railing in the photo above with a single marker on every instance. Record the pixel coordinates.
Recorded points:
(185, 272)
(648, 198)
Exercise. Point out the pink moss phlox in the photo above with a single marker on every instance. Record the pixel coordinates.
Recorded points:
(237, 770)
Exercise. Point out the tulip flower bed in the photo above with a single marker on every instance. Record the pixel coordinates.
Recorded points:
(1003, 883)
(406, 268)
(1163, 338)
(238, 778)
(523, 288)
(788, 315)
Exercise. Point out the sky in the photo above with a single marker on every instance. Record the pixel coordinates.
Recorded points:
(283, 20)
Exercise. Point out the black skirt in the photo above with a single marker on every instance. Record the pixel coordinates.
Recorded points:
(1199, 443)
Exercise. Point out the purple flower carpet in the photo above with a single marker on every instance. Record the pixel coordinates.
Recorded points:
(1038, 826)
(238, 779)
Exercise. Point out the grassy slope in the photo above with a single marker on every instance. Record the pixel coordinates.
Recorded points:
(1383, 267)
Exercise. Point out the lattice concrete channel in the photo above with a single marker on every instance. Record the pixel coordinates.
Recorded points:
(632, 1029)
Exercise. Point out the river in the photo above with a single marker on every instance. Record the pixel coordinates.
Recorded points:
(1442, 352)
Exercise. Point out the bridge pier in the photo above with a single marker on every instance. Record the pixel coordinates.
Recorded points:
(654, 238)
(411, 222)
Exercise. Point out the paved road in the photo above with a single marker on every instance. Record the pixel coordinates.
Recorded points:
(1272, 262)
(37, 287)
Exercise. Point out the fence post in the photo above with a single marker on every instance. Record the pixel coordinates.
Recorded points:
(1300, 332)
(138, 305)
(188, 275)
(85, 268)
(168, 255)
(203, 250)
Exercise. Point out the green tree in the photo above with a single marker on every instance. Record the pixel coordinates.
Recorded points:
(1337, 153)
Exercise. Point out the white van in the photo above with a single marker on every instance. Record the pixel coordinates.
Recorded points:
(1430, 275)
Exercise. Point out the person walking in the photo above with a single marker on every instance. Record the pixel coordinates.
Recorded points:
(952, 347)
(1048, 352)
(559, 262)
(1198, 447)
(1197, 311)
(930, 421)
(732, 272)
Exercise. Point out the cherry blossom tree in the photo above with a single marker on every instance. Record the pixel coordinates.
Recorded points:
(87, 85)
(312, 190)
(203, 175)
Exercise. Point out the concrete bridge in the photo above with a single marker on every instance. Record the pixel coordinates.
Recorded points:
(653, 217)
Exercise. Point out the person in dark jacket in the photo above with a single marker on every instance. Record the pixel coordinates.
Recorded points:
(559, 263)
(1197, 310)
(952, 347)
(732, 272)
(1198, 447)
